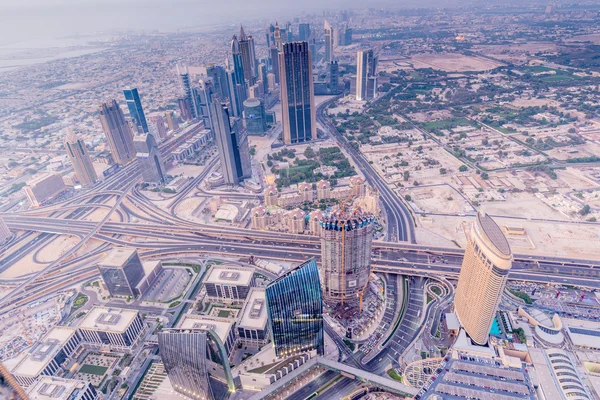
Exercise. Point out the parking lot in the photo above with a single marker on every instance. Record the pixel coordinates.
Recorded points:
(169, 284)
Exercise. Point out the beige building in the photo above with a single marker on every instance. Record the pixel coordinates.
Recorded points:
(482, 278)
(80, 159)
(259, 218)
(316, 217)
(323, 190)
(118, 132)
(271, 196)
(305, 191)
(43, 187)
(295, 221)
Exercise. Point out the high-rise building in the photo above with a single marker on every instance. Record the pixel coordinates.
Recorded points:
(329, 42)
(274, 54)
(270, 36)
(172, 123)
(304, 32)
(157, 127)
(136, 111)
(5, 233)
(295, 311)
(345, 36)
(149, 159)
(289, 32)
(334, 77)
(232, 143)
(366, 80)
(346, 241)
(121, 271)
(43, 187)
(204, 95)
(185, 109)
(247, 52)
(196, 358)
(218, 76)
(118, 132)
(262, 77)
(483, 275)
(255, 117)
(297, 94)
(277, 37)
(80, 159)
(188, 93)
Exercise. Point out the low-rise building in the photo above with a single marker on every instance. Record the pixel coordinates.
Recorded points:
(224, 328)
(252, 327)
(116, 328)
(152, 269)
(53, 388)
(42, 188)
(229, 284)
(48, 356)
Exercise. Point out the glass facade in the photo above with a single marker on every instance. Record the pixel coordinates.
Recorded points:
(136, 111)
(295, 310)
(196, 362)
(122, 280)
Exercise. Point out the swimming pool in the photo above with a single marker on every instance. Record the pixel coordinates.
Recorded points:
(495, 330)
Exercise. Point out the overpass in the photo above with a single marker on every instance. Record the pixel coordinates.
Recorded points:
(369, 378)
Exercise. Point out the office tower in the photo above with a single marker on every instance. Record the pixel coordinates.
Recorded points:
(277, 37)
(334, 76)
(80, 159)
(303, 32)
(274, 54)
(171, 121)
(157, 127)
(115, 328)
(118, 132)
(346, 241)
(204, 95)
(289, 32)
(51, 387)
(483, 275)
(218, 76)
(136, 112)
(295, 310)
(366, 81)
(196, 360)
(312, 47)
(185, 109)
(297, 93)
(262, 77)
(270, 36)
(43, 187)
(256, 91)
(255, 117)
(5, 233)
(329, 41)
(149, 159)
(188, 94)
(237, 94)
(246, 45)
(345, 36)
(238, 84)
(232, 143)
(271, 81)
(121, 271)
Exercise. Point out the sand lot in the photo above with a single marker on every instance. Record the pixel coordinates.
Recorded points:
(453, 62)
(186, 208)
(434, 199)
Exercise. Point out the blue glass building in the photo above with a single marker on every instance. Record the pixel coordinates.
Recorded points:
(295, 310)
(136, 111)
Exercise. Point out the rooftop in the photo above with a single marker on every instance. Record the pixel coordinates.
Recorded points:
(43, 351)
(107, 319)
(37, 178)
(50, 387)
(220, 326)
(230, 275)
(254, 313)
(117, 257)
(494, 233)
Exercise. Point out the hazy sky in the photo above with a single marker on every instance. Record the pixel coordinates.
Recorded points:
(22, 20)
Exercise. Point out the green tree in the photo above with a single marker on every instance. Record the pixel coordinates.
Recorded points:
(463, 168)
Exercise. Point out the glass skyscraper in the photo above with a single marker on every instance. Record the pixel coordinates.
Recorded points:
(295, 310)
(196, 362)
(297, 93)
(136, 111)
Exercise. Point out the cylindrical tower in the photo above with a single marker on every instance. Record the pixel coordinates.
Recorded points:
(346, 240)
(482, 278)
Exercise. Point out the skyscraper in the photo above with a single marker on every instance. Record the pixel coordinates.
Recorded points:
(274, 54)
(172, 123)
(188, 92)
(136, 112)
(255, 117)
(204, 95)
(121, 271)
(329, 42)
(270, 36)
(346, 241)
(295, 310)
(246, 45)
(149, 159)
(482, 278)
(277, 37)
(297, 93)
(218, 76)
(232, 143)
(366, 81)
(80, 159)
(334, 77)
(118, 132)
(303, 32)
(196, 360)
